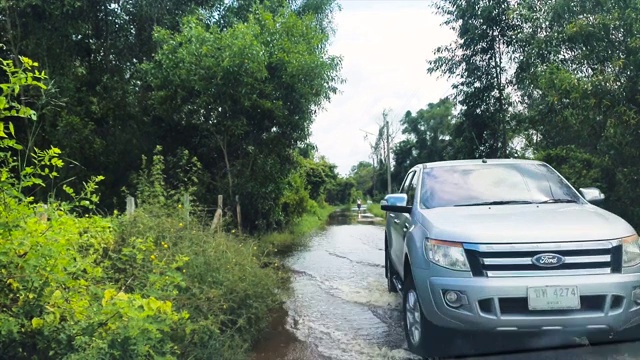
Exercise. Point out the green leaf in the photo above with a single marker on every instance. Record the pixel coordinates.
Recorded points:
(37, 323)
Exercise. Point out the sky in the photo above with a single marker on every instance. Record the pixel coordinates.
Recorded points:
(384, 45)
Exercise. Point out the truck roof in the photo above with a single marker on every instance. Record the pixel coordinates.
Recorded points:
(479, 161)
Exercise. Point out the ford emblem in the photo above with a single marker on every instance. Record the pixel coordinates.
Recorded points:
(548, 260)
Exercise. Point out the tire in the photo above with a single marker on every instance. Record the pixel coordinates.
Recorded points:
(389, 271)
(424, 338)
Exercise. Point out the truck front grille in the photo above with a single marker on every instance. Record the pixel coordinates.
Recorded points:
(515, 260)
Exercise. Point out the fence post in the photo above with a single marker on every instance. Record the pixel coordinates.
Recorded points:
(217, 218)
(239, 214)
(186, 204)
(42, 213)
(131, 205)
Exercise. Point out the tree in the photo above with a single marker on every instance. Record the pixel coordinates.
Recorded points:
(478, 62)
(578, 73)
(95, 109)
(363, 174)
(428, 137)
(243, 99)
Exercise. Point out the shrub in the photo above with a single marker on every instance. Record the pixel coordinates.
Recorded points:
(228, 292)
(59, 295)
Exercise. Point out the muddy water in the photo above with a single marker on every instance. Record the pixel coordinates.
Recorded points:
(340, 309)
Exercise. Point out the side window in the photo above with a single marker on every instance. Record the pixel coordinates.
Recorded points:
(411, 189)
(408, 185)
(407, 181)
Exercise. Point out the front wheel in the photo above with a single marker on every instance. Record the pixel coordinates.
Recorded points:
(423, 337)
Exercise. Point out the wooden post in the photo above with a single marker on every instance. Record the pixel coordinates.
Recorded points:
(217, 218)
(131, 205)
(239, 214)
(186, 204)
(42, 213)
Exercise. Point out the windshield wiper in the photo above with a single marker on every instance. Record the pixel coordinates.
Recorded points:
(557, 201)
(501, 202)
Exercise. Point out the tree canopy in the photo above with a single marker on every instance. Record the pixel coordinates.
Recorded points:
(233, 84)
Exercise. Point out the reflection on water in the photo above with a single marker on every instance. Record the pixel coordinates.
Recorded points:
(340, 309)
(344, 217)
(341, 218)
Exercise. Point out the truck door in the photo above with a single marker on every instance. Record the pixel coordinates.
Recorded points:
(399, 223)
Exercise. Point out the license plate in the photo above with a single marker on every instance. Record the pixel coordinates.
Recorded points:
(554, 298)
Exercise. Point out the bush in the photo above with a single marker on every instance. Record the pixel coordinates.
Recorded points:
(62, 295)
(228, 294)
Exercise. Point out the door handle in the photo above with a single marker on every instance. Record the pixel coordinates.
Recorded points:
(406, 227)
(392, 215)
(396, 221)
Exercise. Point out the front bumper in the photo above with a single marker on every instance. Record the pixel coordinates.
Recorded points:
(500, 304)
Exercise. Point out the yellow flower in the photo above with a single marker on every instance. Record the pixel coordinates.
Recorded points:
(225, 306)
(180, 225)
(153, 257)
(184, 271)
(179, 206)
(165, 246)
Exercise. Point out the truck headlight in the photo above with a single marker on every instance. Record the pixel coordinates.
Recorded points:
(630, 251)
(446, 254)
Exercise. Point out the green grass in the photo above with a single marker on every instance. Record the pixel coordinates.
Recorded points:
(233, 283)
(294, 238)
(312, 221)
(375, 210)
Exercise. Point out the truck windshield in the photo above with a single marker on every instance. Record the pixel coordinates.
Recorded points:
(494, 184)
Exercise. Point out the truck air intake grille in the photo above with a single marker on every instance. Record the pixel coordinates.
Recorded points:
(517, 260)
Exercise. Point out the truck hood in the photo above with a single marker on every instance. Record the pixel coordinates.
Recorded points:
(524, 223)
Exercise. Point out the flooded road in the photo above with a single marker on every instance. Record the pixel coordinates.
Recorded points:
(340, 309)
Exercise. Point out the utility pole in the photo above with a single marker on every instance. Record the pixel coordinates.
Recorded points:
(385, 115)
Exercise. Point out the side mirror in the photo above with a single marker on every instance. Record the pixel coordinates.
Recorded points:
(383, 202)
(395, 199)
(396, 203)
(592, 195)
(396, 208)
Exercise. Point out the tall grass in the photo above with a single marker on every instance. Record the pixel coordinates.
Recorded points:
(297, 236)
(374, 209)
(232, 283)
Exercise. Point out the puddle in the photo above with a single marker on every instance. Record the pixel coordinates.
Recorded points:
(340, 309)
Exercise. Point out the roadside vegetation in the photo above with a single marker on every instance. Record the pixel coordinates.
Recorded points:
(158, 283)
(374, 209)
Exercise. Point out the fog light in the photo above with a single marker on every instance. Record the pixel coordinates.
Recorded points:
(455, 299)
(635, 295)
(451, 296)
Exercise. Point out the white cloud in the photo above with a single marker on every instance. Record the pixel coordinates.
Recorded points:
(385, 45)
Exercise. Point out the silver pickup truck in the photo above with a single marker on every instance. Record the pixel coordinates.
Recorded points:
(506, 246)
